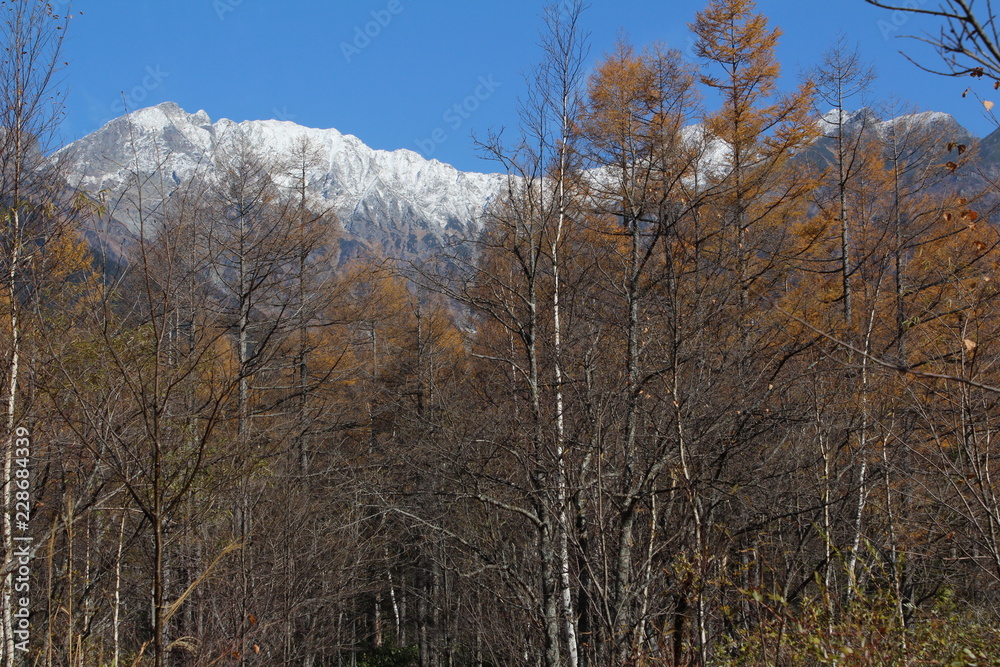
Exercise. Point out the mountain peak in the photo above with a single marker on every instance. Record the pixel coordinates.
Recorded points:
(847, 120)
(156, 116)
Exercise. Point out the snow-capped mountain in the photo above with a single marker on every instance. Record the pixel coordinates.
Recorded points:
(928, 133)
(395, 199)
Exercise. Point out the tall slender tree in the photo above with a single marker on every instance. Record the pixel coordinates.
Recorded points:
(840, 78)
(31, 38)
(760, 129)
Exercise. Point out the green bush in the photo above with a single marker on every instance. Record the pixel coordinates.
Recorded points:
(866, 633)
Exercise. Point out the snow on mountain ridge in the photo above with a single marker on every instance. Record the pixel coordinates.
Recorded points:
(866, 117)
(834, 118)
(397, 198)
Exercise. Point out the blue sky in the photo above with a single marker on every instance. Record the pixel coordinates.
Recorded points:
(304, 61)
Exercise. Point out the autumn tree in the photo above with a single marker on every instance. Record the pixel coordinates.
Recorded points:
(632, 134)
(760, 129)
(755, 194)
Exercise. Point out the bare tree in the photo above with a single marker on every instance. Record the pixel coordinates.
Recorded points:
(841, 77)
(968, 42)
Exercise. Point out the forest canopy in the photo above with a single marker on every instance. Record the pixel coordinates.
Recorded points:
(713, 384)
